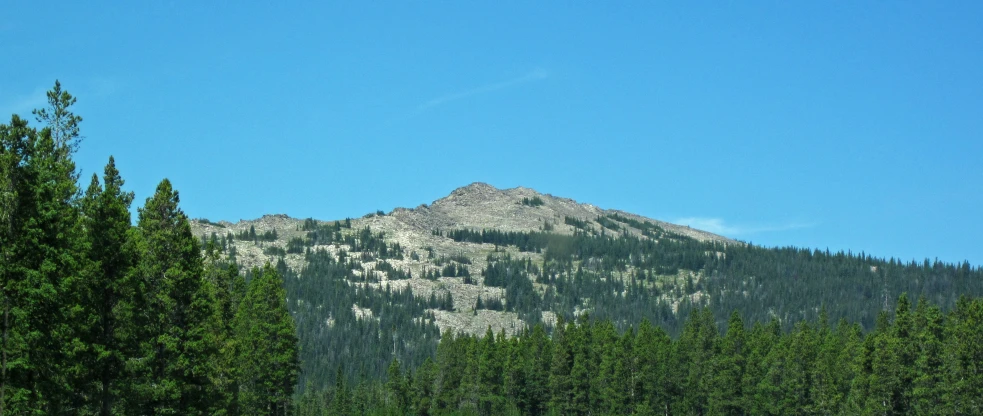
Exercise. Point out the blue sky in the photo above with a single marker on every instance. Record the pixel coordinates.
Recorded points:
(847, 125)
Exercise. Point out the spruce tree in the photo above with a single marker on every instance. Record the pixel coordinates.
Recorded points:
(927, 386)
(43, 261)
(653, 384)
(726, 394)
(228, 290)
(109, 289)
(267, 346)
(178, 350)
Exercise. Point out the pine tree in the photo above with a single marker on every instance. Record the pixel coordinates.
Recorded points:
(423, 387)
(903, 334)
(653, 385)
(581, 372)
(267, 346)
(694, 358)
(43, 262)
(396, 388)
(963, 355)
(109, 290)
(927, 386)
(826, 391)
(178, 352)
(489, 374)
(606, 390)
(756, 387)
(229, 289)
(726, 394)
(537, 357)
(14, 388)
(884, 379)
(560, 366)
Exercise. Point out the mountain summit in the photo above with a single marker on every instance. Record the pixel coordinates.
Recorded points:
(422, 234)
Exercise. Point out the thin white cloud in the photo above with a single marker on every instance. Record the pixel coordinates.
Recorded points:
(719, 226)
(534, 75)
(23, 104)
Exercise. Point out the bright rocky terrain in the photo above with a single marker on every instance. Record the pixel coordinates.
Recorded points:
(477, 206)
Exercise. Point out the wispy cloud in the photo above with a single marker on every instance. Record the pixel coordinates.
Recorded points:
(24, 103)
(719, 226)
(534, 75)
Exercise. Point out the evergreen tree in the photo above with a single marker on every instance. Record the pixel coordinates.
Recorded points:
(561, 363)
(43, 262)
(423, 387)
(490, 374)
(927, 387)
(109, 289)
(396, 386)
(267, 346)
(726, 396)
(827, 375)
(694, 358)
(884, 378)
(537, 355)
(756, 387)
(653, 385)
(228, 291)
(178, 352)
(963, 355)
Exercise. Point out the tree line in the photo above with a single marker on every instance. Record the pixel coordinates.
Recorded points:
(103, 317)
(921, 361)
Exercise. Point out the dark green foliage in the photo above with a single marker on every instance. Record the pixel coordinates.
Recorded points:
(608, 223)
(591, 368)
(624, 276)
(267, 340)
(251, 235)
(535, 201)
(296, 245)
(109, 310)
(576, 223)
(100, 317)
(332, 335)
(177, 322)
(209, 222)
(42, 245)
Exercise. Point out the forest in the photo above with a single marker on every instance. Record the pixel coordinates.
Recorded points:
(102, 317)
(920, 362)
(106, 315)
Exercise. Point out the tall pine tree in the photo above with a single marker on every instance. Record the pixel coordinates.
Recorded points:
(177, 353)
(43, 261)
(267, 347)
(109, 289)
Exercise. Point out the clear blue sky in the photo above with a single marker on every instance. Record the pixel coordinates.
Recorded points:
(848, 125)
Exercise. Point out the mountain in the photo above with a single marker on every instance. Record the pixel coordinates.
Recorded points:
(478, 206)
(388, 285)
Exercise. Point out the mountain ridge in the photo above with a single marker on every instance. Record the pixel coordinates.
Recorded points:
(477, 206)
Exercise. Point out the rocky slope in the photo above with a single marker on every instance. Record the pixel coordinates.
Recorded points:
(477, 206)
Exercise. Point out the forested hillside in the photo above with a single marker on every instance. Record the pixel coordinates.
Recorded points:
(362, 297)
(921, 362)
